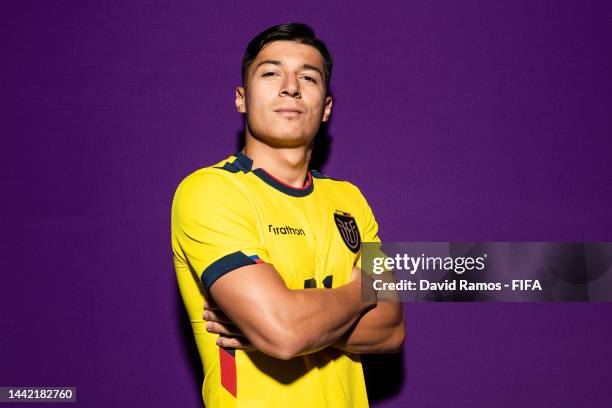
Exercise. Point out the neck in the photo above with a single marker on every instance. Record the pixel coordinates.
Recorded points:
(289, 165)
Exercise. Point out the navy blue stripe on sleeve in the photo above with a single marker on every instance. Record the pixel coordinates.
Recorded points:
(224, 265)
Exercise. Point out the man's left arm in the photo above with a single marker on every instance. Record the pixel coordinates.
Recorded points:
(380, 329)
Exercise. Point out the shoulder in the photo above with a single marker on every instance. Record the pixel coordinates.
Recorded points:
(345, 187)
(209, 186)
(220, 176)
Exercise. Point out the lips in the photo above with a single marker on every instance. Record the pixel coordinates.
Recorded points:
(288, 112)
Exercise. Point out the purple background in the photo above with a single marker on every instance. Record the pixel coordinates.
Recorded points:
(460, 121)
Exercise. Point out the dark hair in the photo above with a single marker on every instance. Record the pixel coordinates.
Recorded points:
(298, 32)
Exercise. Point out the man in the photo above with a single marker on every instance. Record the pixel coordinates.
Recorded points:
(272, 248)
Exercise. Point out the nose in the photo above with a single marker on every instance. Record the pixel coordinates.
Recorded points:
(290, 87)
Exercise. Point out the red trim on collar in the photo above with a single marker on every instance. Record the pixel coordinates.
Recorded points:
(307, 185)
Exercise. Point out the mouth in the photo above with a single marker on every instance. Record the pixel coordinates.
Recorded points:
(288, 113)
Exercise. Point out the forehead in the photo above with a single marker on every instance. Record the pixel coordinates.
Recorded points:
(290, 52)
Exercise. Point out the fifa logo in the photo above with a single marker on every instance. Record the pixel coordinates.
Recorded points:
(347, 226)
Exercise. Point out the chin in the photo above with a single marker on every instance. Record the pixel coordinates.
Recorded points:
(284, 140)
(290, 142)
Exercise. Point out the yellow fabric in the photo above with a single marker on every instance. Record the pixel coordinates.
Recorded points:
(217, 212)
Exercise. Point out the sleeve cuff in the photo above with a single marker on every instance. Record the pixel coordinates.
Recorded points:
(224, 265)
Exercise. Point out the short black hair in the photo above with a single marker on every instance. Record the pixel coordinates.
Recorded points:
(298, 32)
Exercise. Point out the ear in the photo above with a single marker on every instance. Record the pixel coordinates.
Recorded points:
(240, 100)
(327, 109)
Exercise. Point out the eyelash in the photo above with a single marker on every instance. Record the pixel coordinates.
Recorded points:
(307, 77)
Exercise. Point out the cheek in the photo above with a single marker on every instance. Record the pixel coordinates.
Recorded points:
(254, 111)
(317, 103)
(253, 102)
(258, 106)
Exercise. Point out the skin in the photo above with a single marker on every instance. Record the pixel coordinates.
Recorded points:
(285, 102)
(279, 143)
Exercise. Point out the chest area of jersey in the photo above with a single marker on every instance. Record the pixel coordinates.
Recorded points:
(311, 243)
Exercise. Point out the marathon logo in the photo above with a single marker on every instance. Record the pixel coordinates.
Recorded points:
(286, 230)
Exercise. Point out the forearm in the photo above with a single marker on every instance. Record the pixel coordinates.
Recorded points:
(320, 317)
(379, 330)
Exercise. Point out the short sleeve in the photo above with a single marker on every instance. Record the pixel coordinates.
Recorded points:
(214, 227)
(370, 226)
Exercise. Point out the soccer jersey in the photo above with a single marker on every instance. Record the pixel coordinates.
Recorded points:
(230, 215)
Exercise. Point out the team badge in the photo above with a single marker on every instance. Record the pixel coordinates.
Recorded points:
(348, 230)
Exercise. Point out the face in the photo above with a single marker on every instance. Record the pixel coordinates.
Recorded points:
(285, 99)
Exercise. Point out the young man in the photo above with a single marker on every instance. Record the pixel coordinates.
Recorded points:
(272, 248)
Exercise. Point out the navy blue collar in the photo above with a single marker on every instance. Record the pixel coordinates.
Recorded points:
(245, 164)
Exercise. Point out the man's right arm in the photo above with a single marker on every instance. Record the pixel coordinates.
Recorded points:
(281, 322)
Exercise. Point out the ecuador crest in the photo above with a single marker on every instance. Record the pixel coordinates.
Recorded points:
(347, 226)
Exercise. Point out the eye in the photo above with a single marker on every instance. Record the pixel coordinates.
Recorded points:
(309, 78)
(268, 74)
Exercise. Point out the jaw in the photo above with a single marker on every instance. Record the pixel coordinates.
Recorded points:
(282, 133)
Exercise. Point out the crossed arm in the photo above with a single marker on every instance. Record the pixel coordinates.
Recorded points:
(254, 308)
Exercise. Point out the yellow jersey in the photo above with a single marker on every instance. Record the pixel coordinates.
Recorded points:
(229, 215)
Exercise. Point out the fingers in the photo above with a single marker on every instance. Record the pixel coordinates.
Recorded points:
(235, 342)
(230, 336)
(210, 305)
(225, 329)
(216, 316)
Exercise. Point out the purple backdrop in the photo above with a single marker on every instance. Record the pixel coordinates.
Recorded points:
(460, 121)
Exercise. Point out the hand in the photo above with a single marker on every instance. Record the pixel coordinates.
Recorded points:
(229, 334)
(368, 294)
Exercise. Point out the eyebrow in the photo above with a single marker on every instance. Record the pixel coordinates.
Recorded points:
(277, 62)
